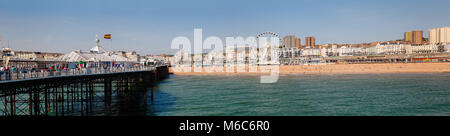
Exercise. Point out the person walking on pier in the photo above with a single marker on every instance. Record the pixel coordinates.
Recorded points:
(1, 72)
(105, 67)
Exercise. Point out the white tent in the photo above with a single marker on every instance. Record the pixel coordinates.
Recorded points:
(97, 54)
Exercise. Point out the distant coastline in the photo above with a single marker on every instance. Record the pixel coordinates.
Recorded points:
(381, 68)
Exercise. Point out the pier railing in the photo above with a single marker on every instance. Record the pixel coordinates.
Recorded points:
(29, 74)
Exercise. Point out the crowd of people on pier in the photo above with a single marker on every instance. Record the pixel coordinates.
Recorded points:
(22, 72)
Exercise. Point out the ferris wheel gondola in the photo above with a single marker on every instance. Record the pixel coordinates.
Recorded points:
(269, 34)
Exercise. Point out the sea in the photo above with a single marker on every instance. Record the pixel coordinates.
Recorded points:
(302, 95)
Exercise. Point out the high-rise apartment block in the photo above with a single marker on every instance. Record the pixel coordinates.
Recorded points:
(408, 36)
(289, 41)
(439, 36)
(310, 42)
(298, 42)
(417, 37)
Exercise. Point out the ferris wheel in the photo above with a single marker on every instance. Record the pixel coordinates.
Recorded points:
(269, 34)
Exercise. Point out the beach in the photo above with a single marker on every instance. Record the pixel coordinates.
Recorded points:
(381, 68)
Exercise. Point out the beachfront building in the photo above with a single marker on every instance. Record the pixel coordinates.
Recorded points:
(289, 41)
(219, 58)
(23, 55)
(269, 54)
(154, 60)
(167, 59)
(439, 36)
(368, 50)
(417, 37)
(131, 56)
(447, 48)
(310, 42)
(396, 49)
(328, 50)
(289, 52)
(407, 37)
(324, 51)
(27, 59)
(311, 52)
(47, 56)
(391, 49)
(425, 49)
(183, 58)
(30, 55)
(348, 51)
(333, 51)
(197, 59)
(241, 57)
(253, 56)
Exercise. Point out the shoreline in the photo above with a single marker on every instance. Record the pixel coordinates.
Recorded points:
(381, 68)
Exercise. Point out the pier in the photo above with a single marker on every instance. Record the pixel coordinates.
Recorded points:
(75, 94)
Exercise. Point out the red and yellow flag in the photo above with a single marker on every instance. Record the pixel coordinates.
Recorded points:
(107, 36)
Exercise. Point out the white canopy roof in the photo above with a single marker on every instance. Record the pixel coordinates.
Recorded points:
(97, 49)
(96, 54)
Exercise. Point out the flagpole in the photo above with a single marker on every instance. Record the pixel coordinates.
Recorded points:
(110, 38)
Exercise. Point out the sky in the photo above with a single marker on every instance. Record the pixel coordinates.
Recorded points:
(148, 26)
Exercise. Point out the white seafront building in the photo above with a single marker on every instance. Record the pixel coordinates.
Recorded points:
(348, 51)
(425, 49)
(393, 49)
(289, 52)
(288, 56)
(311, 52)
(368, 50)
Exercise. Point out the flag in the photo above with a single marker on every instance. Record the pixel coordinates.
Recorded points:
(107, 36)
